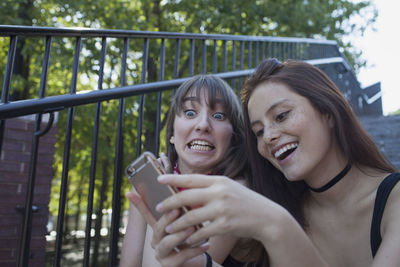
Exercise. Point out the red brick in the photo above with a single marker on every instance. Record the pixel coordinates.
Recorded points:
(48, 139)
(15, 156)
(6, 209)
(9, 231)
(46, 159)
(11, 219)
(7, 176)
(16, 124)
(9, 189)
(41, 199)
(44, 170)
(7, 254)
(8, 243)
(10, 167)
(48, 149)
(13, 200)
(7, 263)
(18, 135)
(14, 146)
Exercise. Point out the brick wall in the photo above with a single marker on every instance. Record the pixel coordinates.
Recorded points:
(14, 167)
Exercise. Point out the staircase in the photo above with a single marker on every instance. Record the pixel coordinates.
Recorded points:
(385, 130)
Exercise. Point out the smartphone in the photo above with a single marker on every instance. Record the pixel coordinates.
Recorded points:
(143, 173)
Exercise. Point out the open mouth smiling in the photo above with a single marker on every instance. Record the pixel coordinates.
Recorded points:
(285, 151)
(200, 145)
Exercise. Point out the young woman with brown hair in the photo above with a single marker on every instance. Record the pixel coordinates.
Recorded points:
(205, 134)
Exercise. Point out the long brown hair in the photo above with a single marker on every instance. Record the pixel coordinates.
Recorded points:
(313, 84)
(235, 161)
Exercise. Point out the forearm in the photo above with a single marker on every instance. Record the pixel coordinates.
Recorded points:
(288, 244)
(133, 243)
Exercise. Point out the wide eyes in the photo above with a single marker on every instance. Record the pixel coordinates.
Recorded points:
(219, 116)
(190, 113)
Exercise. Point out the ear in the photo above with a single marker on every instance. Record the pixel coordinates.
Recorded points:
(172, 140)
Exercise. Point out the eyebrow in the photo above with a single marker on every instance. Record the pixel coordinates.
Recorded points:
(271, 108)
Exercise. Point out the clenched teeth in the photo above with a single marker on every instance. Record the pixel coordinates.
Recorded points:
(200, 145)
(284, 149)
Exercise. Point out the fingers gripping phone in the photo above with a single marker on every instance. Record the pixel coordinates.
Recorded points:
(143, 173)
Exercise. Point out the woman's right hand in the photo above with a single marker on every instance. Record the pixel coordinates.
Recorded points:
(166, 245)
(228, 206)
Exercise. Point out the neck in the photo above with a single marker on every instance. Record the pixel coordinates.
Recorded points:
(187, 170)
(332, 182)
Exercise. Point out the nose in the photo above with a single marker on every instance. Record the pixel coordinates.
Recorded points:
(271, 134)
(203, 123)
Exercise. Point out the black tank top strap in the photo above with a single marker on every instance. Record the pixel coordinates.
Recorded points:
(382, 195)
(231, 262)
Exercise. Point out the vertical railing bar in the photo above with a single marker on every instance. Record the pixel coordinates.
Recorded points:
(233, 66)
(269, 50)
(119, 145)
(191, 57)
(225, 57)
(273, 49)
(45, 67)
(142, 97)
(9, 69)
(214, 62)
(159, 97)
(279, 51)
(241, 59)
(241, 63)
(67, 147)
(93, 165)
(26, 231)
(177, 58)
(204, 57)
(284, 51)
(262, 51)
(250, 55)
(7, 82)
(257, 53)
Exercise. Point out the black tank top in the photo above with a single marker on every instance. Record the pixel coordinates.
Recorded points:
(231, 262)
(382, 195)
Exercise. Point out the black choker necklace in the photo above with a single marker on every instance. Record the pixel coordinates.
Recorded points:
(332, 182)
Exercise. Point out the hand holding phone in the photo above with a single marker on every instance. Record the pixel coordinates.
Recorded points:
(143, 173)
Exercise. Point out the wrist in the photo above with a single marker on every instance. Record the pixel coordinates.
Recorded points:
(277, 228)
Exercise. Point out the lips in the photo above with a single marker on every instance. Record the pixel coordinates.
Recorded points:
(284, 151)
(200, 145)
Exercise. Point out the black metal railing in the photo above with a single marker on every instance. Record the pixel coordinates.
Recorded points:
(158, 62)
